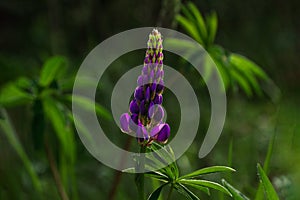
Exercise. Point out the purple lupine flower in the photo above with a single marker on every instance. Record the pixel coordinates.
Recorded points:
(145, 111)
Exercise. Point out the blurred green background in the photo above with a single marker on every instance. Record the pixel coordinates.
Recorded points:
(264, 31)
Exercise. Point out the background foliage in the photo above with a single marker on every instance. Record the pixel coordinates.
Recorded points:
(259, 128)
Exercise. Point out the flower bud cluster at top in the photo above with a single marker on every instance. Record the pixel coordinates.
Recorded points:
(145, 117)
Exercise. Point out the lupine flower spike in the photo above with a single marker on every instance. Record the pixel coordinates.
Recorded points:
(145, 117)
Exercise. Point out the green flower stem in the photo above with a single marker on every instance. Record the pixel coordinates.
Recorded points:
(139, 178)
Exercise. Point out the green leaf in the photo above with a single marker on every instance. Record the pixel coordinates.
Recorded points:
(89, 105)
(206, 183)
(155, 195)
(52, 68)
(12, 95)
(242, 82)
(208, 170)
(164, 154)
(56, 116)
(199, 187)
(236, 194)
(212, 25)
(268, 187)
(260, 193)
(185, 192)
(9, 131)
(199, 19)
(239, 60)
(157, 175)
(189, 27)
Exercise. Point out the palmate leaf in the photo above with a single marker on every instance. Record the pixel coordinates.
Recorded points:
(164, 154)
(185, 192)
(242, 82)
(205, 183)
(155, 195)
(190, 28)
(52, 68)
(198, 187)
(208, 170)
(212, 26)
(237, 195)
(268, 187)
(199, 20)
(241, 61)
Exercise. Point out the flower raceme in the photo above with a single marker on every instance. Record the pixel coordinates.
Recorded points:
(145, 117)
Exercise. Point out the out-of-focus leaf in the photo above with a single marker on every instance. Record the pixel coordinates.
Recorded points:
(206, 183)
(155, 195)
(268, 187)
(185, 192)
(11, 135)
(52, 68)
(208, 170)
(89, 105)
(236, 194)
(241, 82)
(11, 95)
(241, 61)
(23, 83)
(199, 19)
(260, 192)
(212, 26)
(58, 121)
(189, 27)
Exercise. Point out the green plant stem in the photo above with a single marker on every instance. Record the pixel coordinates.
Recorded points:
(170, 192)
(139, 178)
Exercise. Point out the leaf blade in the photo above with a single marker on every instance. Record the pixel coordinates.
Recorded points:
(208, 170)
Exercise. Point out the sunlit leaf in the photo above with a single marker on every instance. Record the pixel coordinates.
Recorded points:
(189, 27)
(51, 70)
(237, 195)
(212, 25)
(208, 170)
(199, 19)
(268, 187)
